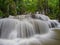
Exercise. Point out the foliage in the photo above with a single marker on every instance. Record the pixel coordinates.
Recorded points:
(54, 7)
(14, 7)
(20, 7)
(31, 5)
(4, 7)
(1, 13)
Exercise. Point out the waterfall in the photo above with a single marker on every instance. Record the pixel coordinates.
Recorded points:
(39, 26)
(42, 17)
(7, 26)
(51, 23)
(13, 28)
(54, 23)
(24, 30)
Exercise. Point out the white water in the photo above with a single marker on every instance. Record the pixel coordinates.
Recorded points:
(42, 17)
(23, 30)
(8, 26)
(51, 23)
(40, 26)
(50, 38)
(13, 28)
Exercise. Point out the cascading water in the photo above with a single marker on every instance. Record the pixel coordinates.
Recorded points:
(54, 23)
(7, 26)
(39, 26)
(23, 30)
(12, 28)
(51, 23)
(42, 17)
